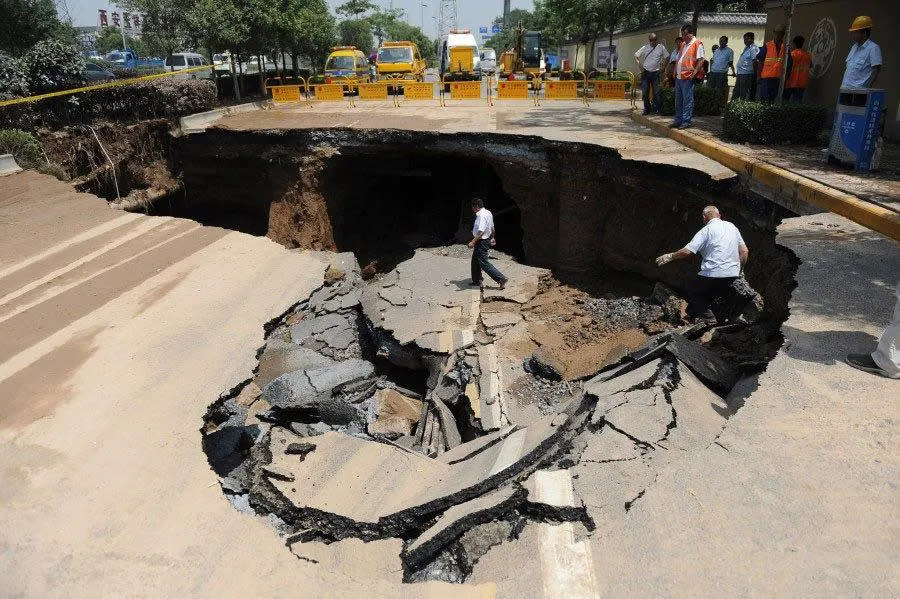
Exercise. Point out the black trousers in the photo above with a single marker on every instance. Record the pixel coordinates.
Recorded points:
(705, 290)
(480, 263)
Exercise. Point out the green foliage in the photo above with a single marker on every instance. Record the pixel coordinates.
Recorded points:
(53, 65)
(618, 76)
(398, 30)
(758, 122)
(23, 146)
(111, 39)
(356, 32)
(23, 23)
(13, 77)
(354, 8)
(122, 73)
(707, 101)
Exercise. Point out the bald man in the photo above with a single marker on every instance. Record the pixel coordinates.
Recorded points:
(724, 254)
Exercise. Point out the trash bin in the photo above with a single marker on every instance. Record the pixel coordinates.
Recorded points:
(858, 124)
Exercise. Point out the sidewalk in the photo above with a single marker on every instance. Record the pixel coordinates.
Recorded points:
(882, 187)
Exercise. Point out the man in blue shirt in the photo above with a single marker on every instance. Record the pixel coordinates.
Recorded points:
(722, 60)
(744, 86)
(864, 60)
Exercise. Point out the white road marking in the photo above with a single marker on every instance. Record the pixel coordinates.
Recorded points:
(139, 229)
(90, 233)
(510, 451)
(567, 568)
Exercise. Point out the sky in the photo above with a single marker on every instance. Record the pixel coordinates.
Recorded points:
(471, 13)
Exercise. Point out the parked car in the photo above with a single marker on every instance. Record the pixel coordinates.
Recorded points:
(94, 73)
(127, 59)
(180, 61)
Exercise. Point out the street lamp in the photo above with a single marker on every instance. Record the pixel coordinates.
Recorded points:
(422, 17)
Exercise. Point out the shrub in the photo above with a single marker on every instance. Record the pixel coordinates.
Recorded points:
(617, 76)
(707, 101)
(123, 73)
(53, 65)
(23, 146)
(758, 122)
(13, 78)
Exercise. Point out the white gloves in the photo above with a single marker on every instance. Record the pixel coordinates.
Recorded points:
(664, 259)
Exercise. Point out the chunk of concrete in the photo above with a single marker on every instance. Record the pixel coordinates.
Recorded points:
(280, 357)
(457, 520)
(493, 320)
(475, 446)
(449, 427)
(324, 379)
(708, 366)
(307, 394)
(310, 327)
(544, 364)
(393, 414)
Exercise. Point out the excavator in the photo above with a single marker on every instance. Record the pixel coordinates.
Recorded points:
(526, 59)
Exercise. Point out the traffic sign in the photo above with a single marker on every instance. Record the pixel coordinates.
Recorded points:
(495, 29)
(482, 30)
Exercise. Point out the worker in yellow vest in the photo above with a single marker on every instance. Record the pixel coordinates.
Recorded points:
(771, 59)
(797, 79)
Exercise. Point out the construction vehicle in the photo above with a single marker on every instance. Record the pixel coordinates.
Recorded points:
(526, 59)
(459, 57)
(348, 66)
(399, 60)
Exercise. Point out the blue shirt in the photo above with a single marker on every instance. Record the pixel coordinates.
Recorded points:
(745, 60)
(720, 60)
(859, 64)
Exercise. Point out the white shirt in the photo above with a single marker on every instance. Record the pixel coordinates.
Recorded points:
(651, 59)
(718, 243)
(684, 49)
(745, 62)
(859, 64)
(484, 224)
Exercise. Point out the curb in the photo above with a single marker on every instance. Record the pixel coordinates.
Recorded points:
(8, 165)
(786, 183)
(197, 123)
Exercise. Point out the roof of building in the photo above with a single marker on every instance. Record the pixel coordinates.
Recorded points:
(748, 19)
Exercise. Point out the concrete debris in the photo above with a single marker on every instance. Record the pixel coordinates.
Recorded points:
(415, 442)
(392, 414)
(674, 307)
(457, 520)
(544, 364)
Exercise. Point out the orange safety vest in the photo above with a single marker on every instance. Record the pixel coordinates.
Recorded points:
(799, 75)
(774, 61)
(689, 60)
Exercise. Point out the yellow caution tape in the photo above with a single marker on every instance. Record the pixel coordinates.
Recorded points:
(87, 88)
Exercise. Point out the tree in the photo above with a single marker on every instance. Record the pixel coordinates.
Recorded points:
(308, 30)
(356, 32)
(111, 39)
(165, 23)
(354, 8)
(403, 31)
(52, 65)
(26, 22)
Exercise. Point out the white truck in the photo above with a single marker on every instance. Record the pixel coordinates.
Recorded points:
(459, 56)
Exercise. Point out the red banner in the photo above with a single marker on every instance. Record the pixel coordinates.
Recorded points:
(103, 21)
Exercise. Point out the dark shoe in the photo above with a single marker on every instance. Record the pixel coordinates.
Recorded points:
(684, 126)
(646, 112)
(865, 363)
(503, 285)
(674, 125)
(474, 284)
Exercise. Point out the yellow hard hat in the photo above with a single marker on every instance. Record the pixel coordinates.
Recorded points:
(861, 23)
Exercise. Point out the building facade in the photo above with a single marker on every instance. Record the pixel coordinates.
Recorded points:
(825, 24)
(710, 27)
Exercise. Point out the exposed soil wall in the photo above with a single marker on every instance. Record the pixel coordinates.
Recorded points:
(578, 209)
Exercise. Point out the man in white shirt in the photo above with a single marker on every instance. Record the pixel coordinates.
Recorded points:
(483, 237)
(651, 58)
(724, 254)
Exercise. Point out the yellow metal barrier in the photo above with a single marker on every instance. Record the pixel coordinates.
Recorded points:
(418, 90)
(564, 90)
(88, 88)
(463, 90)
(612, 89)
(512, 90)
(285, 93)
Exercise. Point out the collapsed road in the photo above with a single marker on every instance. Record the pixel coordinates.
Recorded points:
(602, 452)
(393, 411)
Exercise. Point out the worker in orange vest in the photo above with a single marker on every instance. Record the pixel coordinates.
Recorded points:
(797, 78)
(771, 59)
(687, 67)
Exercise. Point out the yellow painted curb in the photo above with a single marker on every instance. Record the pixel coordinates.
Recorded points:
(784, 182)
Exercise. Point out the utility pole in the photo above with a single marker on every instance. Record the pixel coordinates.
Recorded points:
(422, 17)
(446, 16)
(506, 13)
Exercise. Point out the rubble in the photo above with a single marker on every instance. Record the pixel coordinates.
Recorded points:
(401, 419)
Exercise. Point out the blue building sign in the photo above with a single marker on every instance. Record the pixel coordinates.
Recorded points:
(482, 30)
(495, 29)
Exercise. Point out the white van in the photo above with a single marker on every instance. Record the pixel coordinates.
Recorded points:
(187, 60)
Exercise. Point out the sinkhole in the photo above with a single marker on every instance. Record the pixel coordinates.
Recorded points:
(401, 412)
